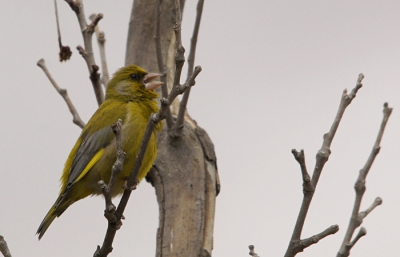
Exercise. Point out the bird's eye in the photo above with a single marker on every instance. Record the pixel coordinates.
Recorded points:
(134, 76)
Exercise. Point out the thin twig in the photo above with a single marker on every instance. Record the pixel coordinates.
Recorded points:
(63, 92)
(182, 108)
(4, 247)
(252, 253)
(356, 216)
(193, 41)
(303, 244)
(132, 180)
(160, 62)
(300, 158)
(65, 51)
(321, 159)
(113, 223)
(101, 40)
(362, 232)
(87, 51)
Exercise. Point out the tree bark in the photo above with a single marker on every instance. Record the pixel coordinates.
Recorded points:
(184, 174)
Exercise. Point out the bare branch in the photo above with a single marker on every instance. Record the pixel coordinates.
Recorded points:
(252, 253)
(4, 247)
(378, 201)
(193, 42)
(101, 40)
(315, 239)
(58, 23)
(87, 51)
(300, 245)
(321, 159)
(182, 108)
(161, 68)
(63, 92)
(362, 232)
(95, 20)
(113, 223)
(300, 158)
(324, 152)
(356, 216)
(65, 51)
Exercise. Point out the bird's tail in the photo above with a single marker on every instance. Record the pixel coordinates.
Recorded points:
(55, 211)
(50, 216)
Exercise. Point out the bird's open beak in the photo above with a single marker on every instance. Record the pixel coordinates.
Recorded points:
(150, 83)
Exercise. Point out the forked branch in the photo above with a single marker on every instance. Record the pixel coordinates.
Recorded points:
(357, 216)
(192, 53)
(297, 245)
(87, 50)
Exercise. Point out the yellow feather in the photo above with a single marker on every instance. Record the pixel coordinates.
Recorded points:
(68, 164)
(94, 153)
(92, 162)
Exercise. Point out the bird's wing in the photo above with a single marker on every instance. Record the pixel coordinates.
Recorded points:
(89, 152)
(89, 148)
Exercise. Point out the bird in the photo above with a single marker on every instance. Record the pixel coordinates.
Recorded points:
(129, 96)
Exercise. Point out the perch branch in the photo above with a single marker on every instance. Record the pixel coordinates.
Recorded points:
(252, 253)
(101, 40)
(160, 62)
(65, 51)
(113, 223)
(321, 158)
(63, 92)
(87, 51)
(357, 217)
(4, 247)
(182, 108)
(132, 180)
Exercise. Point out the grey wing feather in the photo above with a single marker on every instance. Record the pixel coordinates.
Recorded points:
(88, 148)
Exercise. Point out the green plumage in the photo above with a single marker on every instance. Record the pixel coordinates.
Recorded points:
(94, 153)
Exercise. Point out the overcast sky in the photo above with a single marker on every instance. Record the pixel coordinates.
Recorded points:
(273, 75)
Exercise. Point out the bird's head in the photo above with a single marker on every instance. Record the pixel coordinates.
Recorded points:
(133, 83)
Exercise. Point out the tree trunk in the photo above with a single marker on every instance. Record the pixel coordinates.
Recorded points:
(184, 174)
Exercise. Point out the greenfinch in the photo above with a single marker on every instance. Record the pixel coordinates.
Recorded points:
(130, 97)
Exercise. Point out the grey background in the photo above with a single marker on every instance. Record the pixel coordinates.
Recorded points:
(273, 74)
